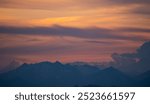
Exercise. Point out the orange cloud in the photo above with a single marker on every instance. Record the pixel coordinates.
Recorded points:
(78, 15)
(53, 21)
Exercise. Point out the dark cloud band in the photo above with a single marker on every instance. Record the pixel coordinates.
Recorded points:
(74, 32)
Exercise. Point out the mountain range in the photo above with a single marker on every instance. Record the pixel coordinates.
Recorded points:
(47, 74)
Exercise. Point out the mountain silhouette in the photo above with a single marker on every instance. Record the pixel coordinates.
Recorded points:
(144, 79)
(47, 74)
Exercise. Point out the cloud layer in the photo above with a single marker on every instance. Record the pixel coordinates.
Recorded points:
(72, 30)
(76, 32)
(134, 63)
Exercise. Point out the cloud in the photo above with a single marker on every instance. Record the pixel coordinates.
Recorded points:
(6, 60)
(35, 49)
(64, 4)
(100, 42)
(134, 63)
(131, 29)
(61, 31)
(141, 10)
(131, 1)
(143, 53)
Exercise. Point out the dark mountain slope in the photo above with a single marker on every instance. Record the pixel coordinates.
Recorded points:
(144, 79)
(58, 74)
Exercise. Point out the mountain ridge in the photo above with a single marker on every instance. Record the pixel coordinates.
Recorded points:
(48, 74)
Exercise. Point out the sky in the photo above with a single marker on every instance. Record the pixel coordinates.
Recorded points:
(71, 30)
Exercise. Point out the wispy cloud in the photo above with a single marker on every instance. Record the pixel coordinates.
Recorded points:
(61, 31)
(72, 29)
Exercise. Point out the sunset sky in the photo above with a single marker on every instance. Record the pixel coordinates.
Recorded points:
(71, 30)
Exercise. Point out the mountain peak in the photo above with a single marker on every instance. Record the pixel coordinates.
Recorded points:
(58, 63)
(24, 64)
(111, 70)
